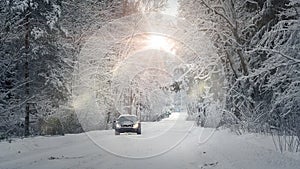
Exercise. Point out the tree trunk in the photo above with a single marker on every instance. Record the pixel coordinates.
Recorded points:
(243, 62)
(125, 6)
(26, 74)
(231, 63)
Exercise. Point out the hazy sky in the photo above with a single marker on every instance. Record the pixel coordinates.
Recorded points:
(171, 8)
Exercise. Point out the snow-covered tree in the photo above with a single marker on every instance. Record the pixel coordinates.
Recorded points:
(275, 63)
(258, 44)
(36, 59)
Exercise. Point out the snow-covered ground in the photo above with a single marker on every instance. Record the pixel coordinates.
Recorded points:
(169, 144)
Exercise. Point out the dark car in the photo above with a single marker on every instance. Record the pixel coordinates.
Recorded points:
(127, 123)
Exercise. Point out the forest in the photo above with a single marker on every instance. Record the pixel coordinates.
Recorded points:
(254, 87)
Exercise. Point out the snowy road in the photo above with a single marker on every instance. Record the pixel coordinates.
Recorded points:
(170, 144)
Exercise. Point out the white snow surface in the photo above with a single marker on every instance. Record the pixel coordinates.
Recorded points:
(172, 143)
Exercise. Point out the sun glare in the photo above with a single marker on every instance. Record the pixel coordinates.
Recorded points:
(160, 43)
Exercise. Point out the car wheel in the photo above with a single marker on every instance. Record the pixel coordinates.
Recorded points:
(139, 131)
(117, 133)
